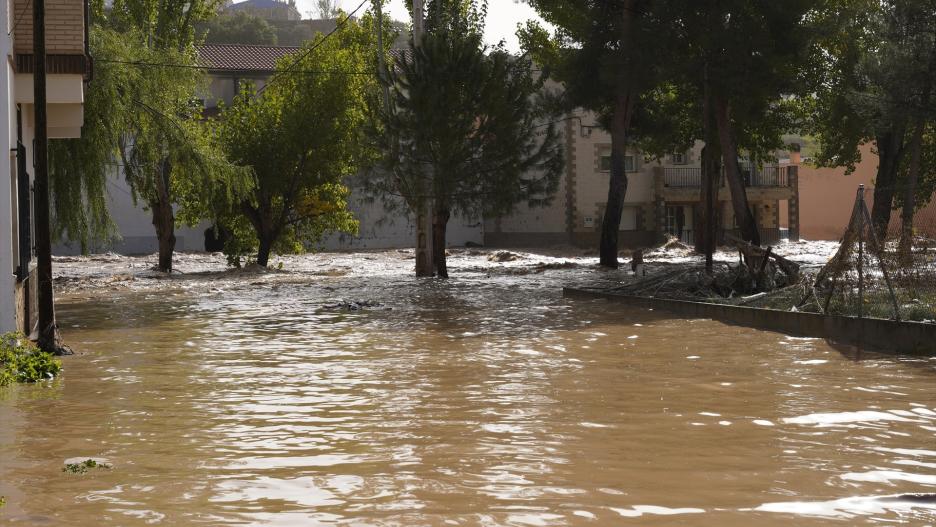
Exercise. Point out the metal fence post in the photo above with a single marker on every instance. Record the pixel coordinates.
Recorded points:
(861, 227)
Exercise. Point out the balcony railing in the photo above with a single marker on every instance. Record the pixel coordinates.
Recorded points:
(682, 177)
(768, 176)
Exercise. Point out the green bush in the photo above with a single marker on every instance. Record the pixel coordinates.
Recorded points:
(21, 361)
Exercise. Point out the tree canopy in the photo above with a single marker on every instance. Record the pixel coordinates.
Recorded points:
(300, 137)
(465, 126)
(142, 118)
(240, 28)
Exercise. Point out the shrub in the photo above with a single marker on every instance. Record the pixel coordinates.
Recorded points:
(21, 361)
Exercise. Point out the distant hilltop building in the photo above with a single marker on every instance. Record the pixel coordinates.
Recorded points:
(267, 9)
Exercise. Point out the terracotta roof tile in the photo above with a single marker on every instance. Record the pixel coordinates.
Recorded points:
(243, 57)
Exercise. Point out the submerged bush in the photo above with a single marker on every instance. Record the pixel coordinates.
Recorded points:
(84, 466)
(21, 361)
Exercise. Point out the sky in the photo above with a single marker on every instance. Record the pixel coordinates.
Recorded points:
(502, 20)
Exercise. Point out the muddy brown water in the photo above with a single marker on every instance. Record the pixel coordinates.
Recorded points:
(485, 400)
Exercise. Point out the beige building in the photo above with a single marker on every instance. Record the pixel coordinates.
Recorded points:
(662, 197)
(68, 68)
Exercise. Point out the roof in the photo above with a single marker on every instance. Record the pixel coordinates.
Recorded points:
(243, 57)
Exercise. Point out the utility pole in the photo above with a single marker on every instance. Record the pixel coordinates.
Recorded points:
(424, 262)
(47, 333)
(381, 59)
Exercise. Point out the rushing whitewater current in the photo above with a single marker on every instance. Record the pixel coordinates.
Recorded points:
(342, 391)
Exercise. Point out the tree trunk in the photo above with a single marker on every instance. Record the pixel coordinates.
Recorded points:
(262, 221)
(909, 195)
(266, 246)
(890, 147)
(47, 337)
(424, 217)
(707, 229)
(742, 211)
(164, 219)
(440, 218)
(623, 111)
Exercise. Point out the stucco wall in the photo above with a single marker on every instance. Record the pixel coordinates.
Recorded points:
(827, 196)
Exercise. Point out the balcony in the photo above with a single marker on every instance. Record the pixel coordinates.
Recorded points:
(754, 177)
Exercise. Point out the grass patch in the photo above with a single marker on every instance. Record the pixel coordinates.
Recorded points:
(21, 361)
(83, 467)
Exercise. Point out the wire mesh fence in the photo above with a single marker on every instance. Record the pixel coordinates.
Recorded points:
(880, 270)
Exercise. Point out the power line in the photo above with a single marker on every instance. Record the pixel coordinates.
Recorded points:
(208, 68)
(311, 49)
(19, 17)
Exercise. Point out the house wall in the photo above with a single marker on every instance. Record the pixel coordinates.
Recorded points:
(223, 88)
(7, 183)
(382, 228)
(64, 27)
(135, 226)
(827, 196)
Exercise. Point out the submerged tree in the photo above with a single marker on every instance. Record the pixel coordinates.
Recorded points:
(465, 124)
(301, 137)
(604, 53)
(143, 117)
(873, 83)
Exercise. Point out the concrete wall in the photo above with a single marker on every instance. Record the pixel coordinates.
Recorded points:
(392, 229)
(135, 225)
(886, 336)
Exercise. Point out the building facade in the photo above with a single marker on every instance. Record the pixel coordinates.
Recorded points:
(68, 68)
(663, 197)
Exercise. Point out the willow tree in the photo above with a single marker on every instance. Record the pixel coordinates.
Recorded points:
(301, 138)
(465, 124)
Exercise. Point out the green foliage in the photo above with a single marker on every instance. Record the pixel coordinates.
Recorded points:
(142, 118)
(20, 361)
(84, 466)
(300, 138)
(239, 28)
(874, 68)
(467, 125)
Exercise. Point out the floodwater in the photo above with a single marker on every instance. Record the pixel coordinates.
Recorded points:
(489, 399)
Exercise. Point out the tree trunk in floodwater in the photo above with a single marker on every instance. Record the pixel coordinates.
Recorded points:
(707, 230)
(739, 202)
(262, 221)
(264, 249)
(620, 122)
(617, 186)
(890, 147)
(440, 218)
(164, 219)
(905, 247)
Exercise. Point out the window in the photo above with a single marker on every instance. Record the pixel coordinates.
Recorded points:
(679, 158)
(630, 164)
(629, 219)
(604, 163)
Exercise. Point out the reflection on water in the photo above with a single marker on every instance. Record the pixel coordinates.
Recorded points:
(480, 401)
